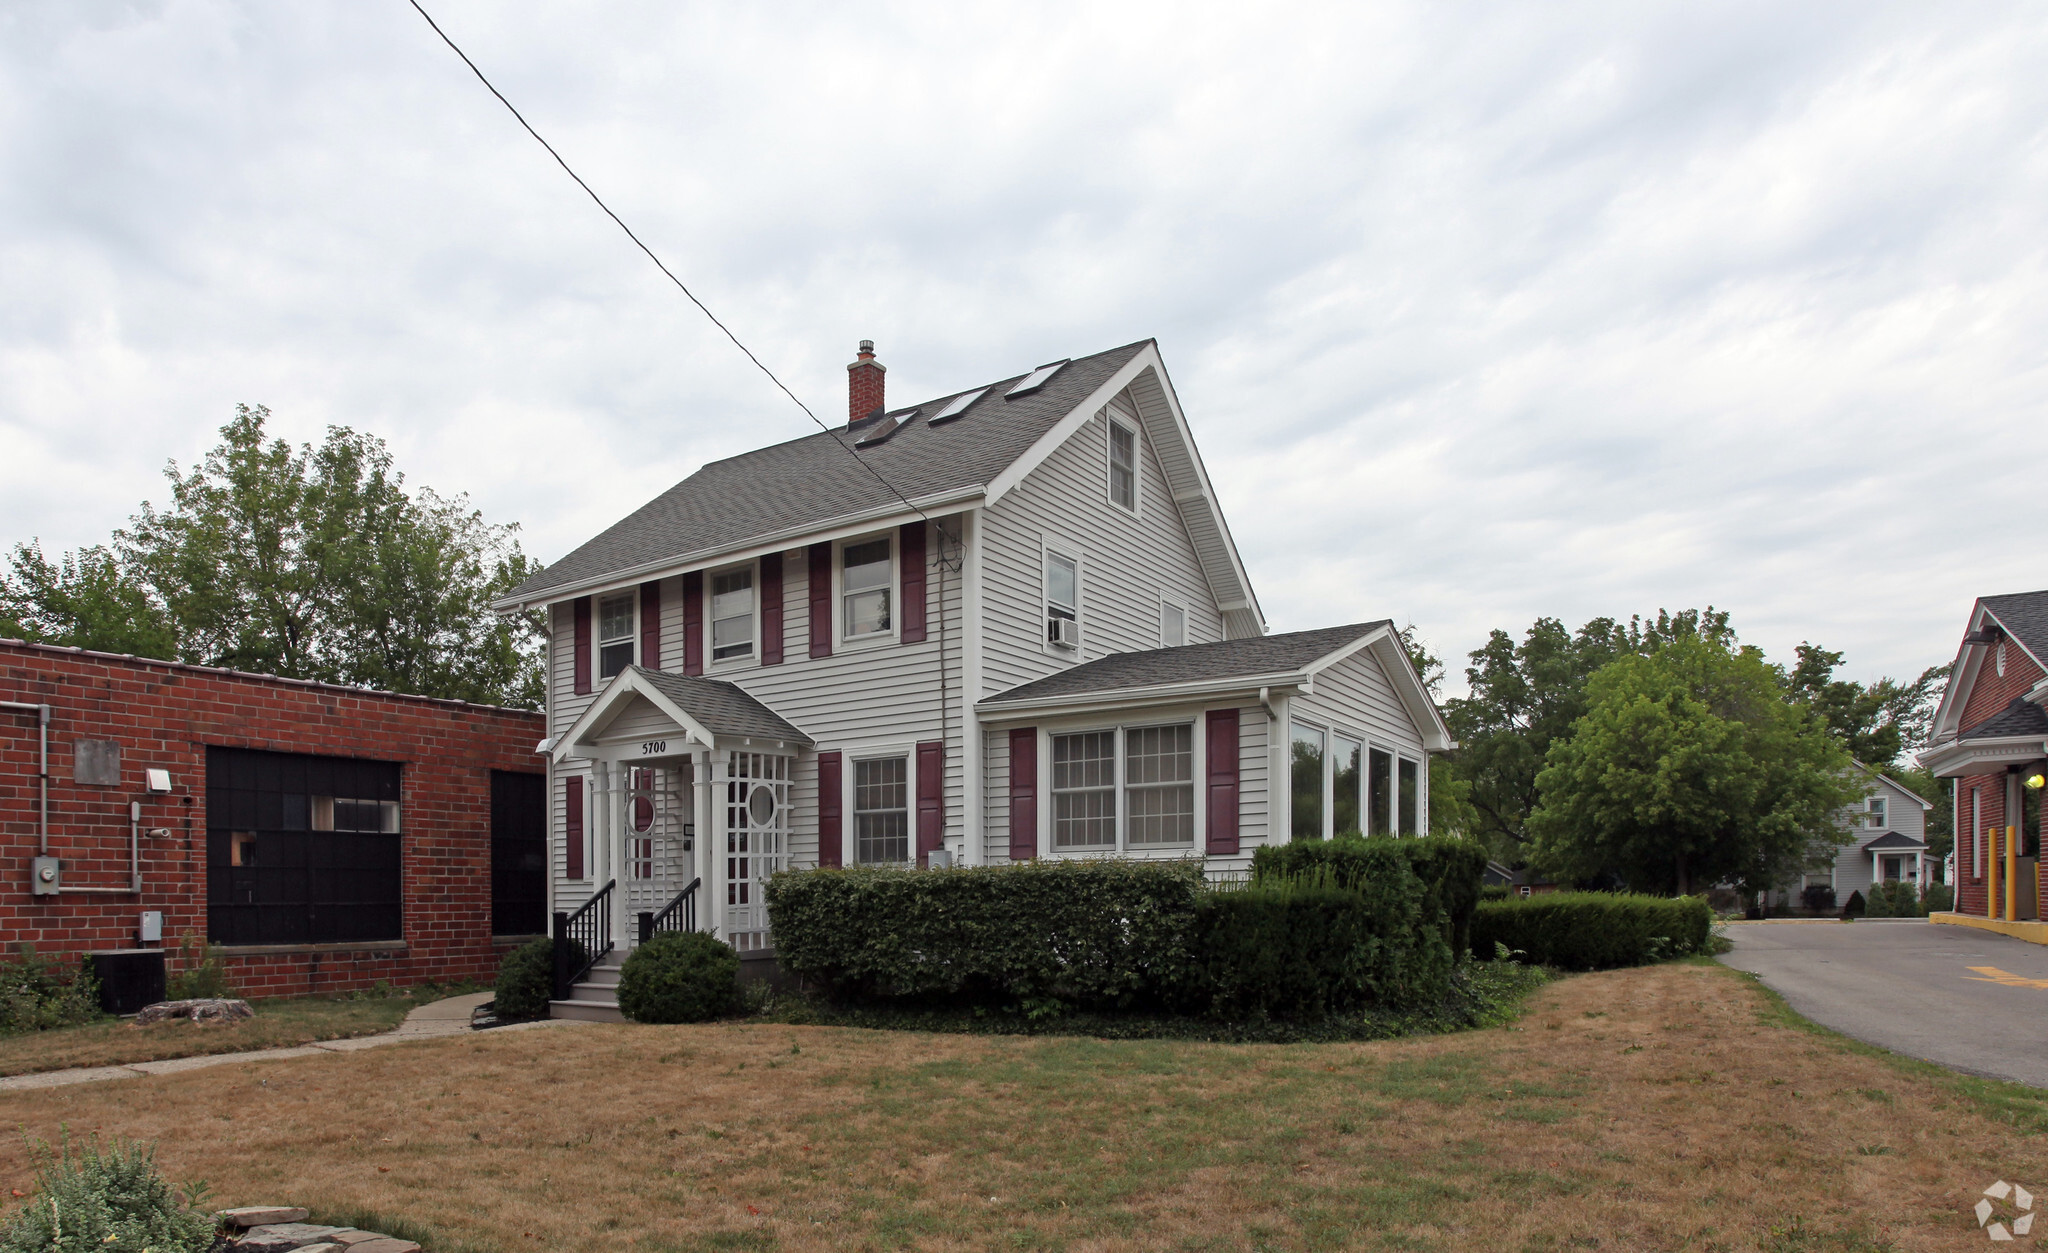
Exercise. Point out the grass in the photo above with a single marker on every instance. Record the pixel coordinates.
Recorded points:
(277, 1024)
(1669, 1107)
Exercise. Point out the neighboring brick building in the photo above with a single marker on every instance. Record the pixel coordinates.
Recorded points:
(325, 837)
(1991, 737)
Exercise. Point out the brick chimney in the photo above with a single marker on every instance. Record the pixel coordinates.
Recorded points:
(864, 384)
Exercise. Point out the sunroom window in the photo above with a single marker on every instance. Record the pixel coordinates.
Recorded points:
(1411, 797)
(1308, 783)
(1379, 791)
(1159, 785)
(1344, 789)
(1084, 790)
(732, 614)
(615, 622)
(864, 587)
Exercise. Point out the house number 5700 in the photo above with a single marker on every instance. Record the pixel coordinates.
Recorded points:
(653, 748)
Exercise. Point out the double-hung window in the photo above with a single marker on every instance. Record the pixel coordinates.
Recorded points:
(1876, 807)
(1159, 786)
(1062, 599)
(732, 614)
(881, 810)
(1123, 465)
(616, 620)
(1084, 790)
(1173, 624)
(865, 573)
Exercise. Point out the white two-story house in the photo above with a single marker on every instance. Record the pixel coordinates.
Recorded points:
(1005, 623)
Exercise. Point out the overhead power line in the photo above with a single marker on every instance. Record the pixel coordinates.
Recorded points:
(641, 245)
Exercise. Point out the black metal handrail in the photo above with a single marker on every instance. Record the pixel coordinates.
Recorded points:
(591, 927)
(681, 914)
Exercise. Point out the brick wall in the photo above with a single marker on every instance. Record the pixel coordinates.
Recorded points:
(1989, 695)
(166, 716)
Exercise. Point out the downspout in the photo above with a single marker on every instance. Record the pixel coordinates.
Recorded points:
(43, 770)
(1266, 699)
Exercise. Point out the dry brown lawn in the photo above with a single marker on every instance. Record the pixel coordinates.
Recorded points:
(278, 1024)
(1674, 1107)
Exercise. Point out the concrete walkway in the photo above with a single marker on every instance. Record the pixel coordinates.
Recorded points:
(439, 1018)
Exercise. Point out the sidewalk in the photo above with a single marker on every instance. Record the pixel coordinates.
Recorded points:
(441, 1018)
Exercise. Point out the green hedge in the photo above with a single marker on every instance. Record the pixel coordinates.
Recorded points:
(1304, 949)
(1593, 930)
(1450, 871)
(1090, 934)
(526, 979)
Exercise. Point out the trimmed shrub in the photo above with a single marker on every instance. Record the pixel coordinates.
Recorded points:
(1593, 930)
(680, 976)
(36, 995)
(1450, 871)
(1044, 935)
(1940, 898)
(106, 1199)
(1855, 906)
(1304, 949)
(1818, 898)
(526, 979)
(1893, 898)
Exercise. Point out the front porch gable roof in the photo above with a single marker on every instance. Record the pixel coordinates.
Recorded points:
(1894, 842)
(709, 711)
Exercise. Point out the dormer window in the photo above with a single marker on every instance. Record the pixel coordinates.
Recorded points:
(616, 620)
(1123, 465)
(732, 614)
(865, 576)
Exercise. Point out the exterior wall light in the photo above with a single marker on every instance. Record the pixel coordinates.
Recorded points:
(2035, 780)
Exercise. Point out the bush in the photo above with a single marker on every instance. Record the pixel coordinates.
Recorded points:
(202, 975)
(1305, 949)
(1450, 871)
(107, 1201)
(679, 976)
(1893, 898)
(1854, 906)
(1593, 930)
(1041, 935)
(1818, 898)
(1940, 898)
(1496, 892)
(35, 995)
(526, 979)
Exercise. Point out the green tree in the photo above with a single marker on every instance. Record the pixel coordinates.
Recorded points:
(1878, 721)
(1450, 796)
(1521, 698)
(310, 563)
(1690, 768)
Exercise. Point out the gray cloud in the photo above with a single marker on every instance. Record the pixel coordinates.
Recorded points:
(1479, 313)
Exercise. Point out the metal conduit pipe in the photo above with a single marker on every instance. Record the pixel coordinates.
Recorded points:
(42, 713)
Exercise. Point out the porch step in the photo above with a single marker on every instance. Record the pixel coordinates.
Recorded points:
(594, 998)
(586, 1011)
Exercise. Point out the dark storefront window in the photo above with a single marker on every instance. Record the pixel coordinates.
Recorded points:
(519, 851)
(301, 850)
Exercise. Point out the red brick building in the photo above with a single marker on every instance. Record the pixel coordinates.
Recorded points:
(1991, 737)
(325, 838)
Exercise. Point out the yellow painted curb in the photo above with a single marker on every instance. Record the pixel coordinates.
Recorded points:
(1781, 922)
(2031, 932)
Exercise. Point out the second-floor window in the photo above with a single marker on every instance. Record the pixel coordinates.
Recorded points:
(864, 580)
(615, 625)
(1173, 625)
(1876, 806)
(1062, 599)
(732, 614)
(1123, 465)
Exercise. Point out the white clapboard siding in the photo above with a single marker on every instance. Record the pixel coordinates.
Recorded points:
(1127, 562)
(1852, 865)
(1355, 699)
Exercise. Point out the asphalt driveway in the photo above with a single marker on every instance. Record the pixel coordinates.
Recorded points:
(1969, 1000)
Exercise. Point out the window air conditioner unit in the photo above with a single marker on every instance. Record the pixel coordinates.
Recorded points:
(1064, 632)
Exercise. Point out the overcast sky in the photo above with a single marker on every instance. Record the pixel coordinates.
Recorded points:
(1479, 312)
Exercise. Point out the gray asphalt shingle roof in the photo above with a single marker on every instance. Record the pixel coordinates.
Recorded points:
(724, 708)
(814, 480)
(1191, 663)
(1892, 841)
(2021, 717)
(2025, 615)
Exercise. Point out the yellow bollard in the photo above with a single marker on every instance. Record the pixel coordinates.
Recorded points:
(2012, 874)
(1991, 872)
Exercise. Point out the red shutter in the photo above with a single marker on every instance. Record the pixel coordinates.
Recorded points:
(911, 551)
(693, 622)
(829, 838)
(650, 625)
(572, 806)
(931, 799)
(1223, 753)
(580, 663)
(1023, 793)
(821, 600)
(771, 609)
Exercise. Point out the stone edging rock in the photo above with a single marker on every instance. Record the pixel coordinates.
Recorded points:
(284, 1229)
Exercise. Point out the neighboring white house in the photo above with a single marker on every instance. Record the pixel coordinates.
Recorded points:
(1004, 623)
(1888, 831)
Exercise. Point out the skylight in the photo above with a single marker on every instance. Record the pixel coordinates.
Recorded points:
(957, 406)
(1034, 380)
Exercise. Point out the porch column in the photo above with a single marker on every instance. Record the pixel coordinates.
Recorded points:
(711, 899)
(625, 929)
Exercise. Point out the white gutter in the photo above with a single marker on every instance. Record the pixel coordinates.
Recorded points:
(989, 711)
(755, 546)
